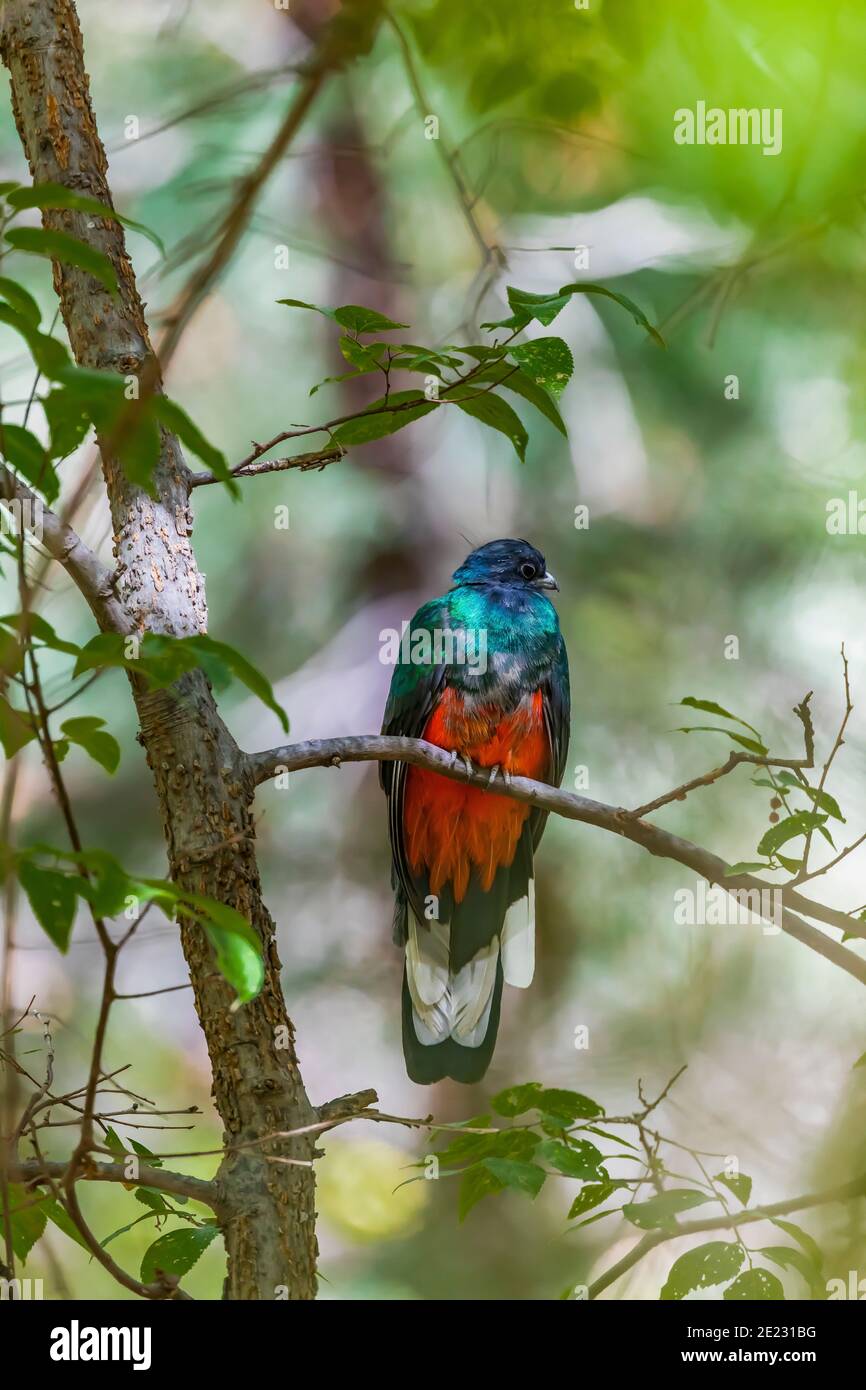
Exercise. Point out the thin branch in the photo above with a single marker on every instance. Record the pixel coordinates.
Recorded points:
(843, 1193)
(304, 462)
(384, 748)
(94, 579)
(734, 760)
(31, 1172)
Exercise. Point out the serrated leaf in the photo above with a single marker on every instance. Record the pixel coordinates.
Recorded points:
(59, 246)
(176, 1252)
(546, 361)
(702, 1268)
(755, 1284)
(63, 1221)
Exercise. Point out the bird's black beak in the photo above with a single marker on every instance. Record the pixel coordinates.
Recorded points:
(546, 581)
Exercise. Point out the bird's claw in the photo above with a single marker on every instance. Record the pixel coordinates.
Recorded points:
(498, 771)
(462, 758)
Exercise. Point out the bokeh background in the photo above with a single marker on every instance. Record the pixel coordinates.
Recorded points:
(707, 520)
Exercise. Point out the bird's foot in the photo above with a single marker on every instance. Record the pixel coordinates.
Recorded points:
(498, 771)
(462, 758)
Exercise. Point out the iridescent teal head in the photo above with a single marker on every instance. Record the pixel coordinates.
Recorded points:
(512, 564)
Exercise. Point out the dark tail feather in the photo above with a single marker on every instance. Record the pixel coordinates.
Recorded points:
(426, 1064)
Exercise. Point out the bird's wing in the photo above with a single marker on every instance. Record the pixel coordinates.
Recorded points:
(556, 706)
(415, 690)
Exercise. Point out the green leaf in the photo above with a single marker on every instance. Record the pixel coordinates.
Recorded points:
(546, 361)
(237, 947)
(364, 428)
(27, 1224)
(755, 1284)
(176, 1252)
(580, 1159)
(710, 707)
(61, 1218)
(477, 1182)
(164, 660)
(516, 380)
(635, 310)
(516, 1100)
(354, 317)
(661, 1211)
(788, 829)
(49, 355)
(789, 1257)
(55, 195)
(16, 728)
(40, 630)
(750, 743)
(20, 300)
(175, 418)
(68, 420)
(493, 411)
(592, 1194)
(360, 320)
(745, 866)
(741, 1186)
(149, 1197)
(803, 1239)
(565, 1107)
(517, 1176)
(702, 1268)
(28, 458)
(52, 896)
(59, 246)
(89, 733)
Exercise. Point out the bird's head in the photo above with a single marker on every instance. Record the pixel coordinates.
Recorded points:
(511, 563)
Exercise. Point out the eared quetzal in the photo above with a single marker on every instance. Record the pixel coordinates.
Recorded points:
(483, 672)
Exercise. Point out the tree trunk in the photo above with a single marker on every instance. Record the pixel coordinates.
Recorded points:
(204, 798)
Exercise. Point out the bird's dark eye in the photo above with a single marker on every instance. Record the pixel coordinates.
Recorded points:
(527, 570)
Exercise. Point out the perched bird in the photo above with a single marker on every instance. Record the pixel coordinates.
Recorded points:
(483, 672)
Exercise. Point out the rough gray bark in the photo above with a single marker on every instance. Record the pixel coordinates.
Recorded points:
(269, 1214)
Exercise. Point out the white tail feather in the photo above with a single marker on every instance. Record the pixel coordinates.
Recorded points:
(518, 941)
(445, 1003)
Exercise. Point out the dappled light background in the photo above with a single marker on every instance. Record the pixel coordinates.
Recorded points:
(707, 521)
